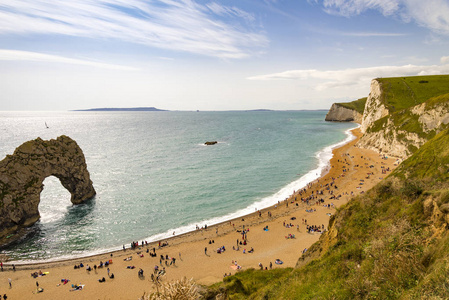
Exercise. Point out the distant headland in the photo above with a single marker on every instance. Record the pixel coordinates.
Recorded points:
(122, 109)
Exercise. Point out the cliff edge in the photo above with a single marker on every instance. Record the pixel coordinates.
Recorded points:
(22, 175)
(347, 112)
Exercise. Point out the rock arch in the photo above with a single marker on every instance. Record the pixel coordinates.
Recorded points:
(22, 175)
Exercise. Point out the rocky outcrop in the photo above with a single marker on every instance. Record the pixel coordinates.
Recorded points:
(210, 143)
(432, 117)
(22, 175)
(392, 141)
(340, 113)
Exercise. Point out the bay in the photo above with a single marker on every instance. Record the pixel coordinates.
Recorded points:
(154, 175)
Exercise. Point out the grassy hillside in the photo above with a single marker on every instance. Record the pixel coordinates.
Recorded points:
(392, 242)
(357, 105)
(404, 92)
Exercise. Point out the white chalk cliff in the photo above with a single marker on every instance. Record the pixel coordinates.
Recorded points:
(340, 113)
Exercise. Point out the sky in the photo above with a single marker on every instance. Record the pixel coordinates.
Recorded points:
(212, 55)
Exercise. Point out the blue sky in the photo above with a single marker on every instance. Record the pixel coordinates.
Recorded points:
(212, 55)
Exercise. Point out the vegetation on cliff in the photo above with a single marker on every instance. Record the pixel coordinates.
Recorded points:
(404, 113)
(357, 105)
(403, 92)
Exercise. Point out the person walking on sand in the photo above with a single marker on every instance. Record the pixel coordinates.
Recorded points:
(9, 281)
(205, 250)
(37, 284)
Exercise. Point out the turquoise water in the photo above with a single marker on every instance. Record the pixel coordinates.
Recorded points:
(154, 175)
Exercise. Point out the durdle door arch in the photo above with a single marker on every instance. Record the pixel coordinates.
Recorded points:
(22, 175)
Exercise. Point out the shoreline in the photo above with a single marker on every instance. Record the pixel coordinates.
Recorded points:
(323, 157)
(353, 169)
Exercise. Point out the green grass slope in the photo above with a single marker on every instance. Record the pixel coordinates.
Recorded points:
(392, 242)
(404, 92)
(357, 105)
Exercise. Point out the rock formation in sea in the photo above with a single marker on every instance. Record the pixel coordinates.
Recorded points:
(22, 175)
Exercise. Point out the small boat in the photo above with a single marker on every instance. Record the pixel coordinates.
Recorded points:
(46, 125)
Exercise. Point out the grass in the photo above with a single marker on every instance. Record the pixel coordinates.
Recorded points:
(357, 105)
(404, 92)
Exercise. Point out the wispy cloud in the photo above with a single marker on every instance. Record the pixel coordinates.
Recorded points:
(15, 55)
(355, 76)
(432, 14)
(178, 25)
(230, 11)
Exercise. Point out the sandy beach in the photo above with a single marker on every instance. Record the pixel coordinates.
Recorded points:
(353, 171)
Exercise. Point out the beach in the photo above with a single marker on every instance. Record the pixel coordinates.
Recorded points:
(352, 171)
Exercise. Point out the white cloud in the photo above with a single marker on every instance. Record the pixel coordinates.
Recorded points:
(16, 55)
(353, 77)
(179, 25)
(444, 59)
(432, 14)
(230, 11)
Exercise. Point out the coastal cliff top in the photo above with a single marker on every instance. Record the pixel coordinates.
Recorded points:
(399, 93)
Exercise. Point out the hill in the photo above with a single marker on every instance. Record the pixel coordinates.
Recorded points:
(122, 109)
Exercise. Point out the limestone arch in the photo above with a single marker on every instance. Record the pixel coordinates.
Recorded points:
(22, 175)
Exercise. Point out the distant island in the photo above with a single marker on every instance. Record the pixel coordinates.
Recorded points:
(122, 109)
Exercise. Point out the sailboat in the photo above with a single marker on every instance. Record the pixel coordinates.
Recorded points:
(46, 125)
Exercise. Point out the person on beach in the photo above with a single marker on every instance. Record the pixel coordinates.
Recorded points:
(10, 284)
(205, 250)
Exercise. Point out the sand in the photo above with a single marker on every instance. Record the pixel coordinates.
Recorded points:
(349, 171)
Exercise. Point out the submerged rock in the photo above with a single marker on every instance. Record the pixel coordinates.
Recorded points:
(210, 143)
(22, 175)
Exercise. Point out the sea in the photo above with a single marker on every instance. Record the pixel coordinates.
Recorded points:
(154, 176)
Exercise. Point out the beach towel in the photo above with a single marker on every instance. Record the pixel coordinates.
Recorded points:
(278, 262)
(77, 288)
(234, 267)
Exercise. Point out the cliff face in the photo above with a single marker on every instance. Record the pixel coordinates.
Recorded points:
(22, 174)
(400, 133)
(342, 114)
(374, 108)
